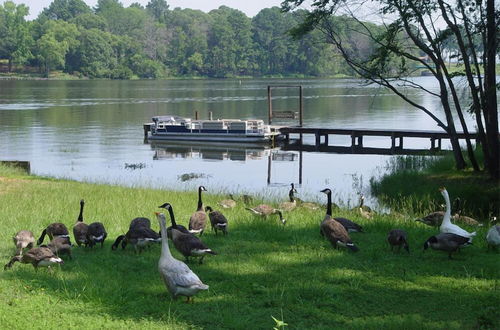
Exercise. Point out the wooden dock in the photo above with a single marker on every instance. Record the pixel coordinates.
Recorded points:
(324, 136)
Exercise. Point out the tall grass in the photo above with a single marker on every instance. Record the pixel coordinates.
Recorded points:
(412, 183)
(263, 270)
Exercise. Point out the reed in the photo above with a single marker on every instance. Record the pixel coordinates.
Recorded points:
(263, 271)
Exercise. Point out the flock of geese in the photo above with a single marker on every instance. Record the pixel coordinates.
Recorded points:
(180, 280)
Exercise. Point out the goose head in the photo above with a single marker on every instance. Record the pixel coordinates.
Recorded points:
(208, 209)
(326, 191)
(165, 206)
(202, 188)
(161, 218)
(430, 241)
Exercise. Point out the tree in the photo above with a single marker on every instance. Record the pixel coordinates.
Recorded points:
(51, 52)
(415, 21)
(158, 9)
(64, 10)
(15, 38)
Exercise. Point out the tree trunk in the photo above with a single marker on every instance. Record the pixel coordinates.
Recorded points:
(491, 110)
(10, 65)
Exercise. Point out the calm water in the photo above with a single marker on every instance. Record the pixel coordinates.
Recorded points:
(92, 130)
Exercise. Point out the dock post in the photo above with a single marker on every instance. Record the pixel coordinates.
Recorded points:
(196, 115)
(318, 139)
(301, 107)
(393, 142)
(269, 105)
(146, 128)
(400, 142)
(326, 139)
(210, 115)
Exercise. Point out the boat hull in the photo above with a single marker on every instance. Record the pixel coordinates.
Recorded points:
(213, 137)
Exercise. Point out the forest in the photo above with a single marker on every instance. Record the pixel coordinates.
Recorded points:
(116, 42)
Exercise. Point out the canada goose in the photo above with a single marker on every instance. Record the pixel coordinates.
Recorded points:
(198, 219)
(228, 203)
(349, 225)
(288, 206)
(139, 235)
(365, 211)
(187, 244)
(398, 237)
(96, 234)
(180, 228)
(447, 226)
(60, 246)
(458, 217)
(433, 219)
(448, 242)
(80, 228)
(333, 230)
(23, 239)
(264, 210)
(493, 235)
(177, 276)
(55, 229)
(38, 257)
(217, 220)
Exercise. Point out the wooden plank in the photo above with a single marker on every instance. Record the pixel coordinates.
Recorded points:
(25, 165)
(285, 114)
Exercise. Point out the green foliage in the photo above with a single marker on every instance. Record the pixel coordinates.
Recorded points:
(180, 42)
(262, 271)
(15, 38)
(477, 192)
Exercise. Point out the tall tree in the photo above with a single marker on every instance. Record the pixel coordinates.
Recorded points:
(158, 9)
(415, 20)
(15, 38)
(64, 10)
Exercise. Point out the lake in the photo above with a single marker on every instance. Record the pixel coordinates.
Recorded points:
(92, 130)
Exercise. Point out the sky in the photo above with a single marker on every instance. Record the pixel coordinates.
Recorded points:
(249, 7)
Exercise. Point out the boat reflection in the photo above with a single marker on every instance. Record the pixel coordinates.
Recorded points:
(210, 151)
(217, 151)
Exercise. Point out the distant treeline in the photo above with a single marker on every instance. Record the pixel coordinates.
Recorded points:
(111, 41)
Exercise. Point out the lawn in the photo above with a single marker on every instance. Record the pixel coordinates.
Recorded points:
(262, 270)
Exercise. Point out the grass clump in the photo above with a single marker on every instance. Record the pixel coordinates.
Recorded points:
(264, 273)
(412, 183)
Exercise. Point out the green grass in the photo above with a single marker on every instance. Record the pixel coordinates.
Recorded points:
(412, 185)
(263, 270)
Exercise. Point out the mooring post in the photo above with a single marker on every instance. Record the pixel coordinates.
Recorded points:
(196, 115)
(269, 105)
(147, 128)
(326, 139)
(210, 115)
(318, 139)
(301, 107)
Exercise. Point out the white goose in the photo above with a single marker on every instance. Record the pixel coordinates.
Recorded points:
(446, 225)
(178, 278)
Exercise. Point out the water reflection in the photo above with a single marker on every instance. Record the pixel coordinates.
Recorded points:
(209, 151)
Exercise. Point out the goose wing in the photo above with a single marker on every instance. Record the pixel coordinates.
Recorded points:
(198, 220)
(349, 225)
(39, 253)
(143, 232)
(334, 231)
(180, 274)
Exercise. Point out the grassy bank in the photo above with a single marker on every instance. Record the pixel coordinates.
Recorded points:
(263, 270)
(412, 184)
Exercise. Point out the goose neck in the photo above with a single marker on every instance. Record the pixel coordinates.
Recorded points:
(80, 215)
(329, 204)
(200, 203)
(165, 250)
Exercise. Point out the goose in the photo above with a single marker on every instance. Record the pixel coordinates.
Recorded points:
(227, 203)
(289, 206)
(55, 229)
(180, 228)
(23, 239)
(198, 219)
(264, 210)
(60, 246)
(448, 242)
(433, 219)
(458, 217)
(365, 211)
(96, 234)
(217, 220)
(398, 237)
(179, 279)
(333, 230)
(38, 257)
(188, 244)
(80, 228)
(139, 235)
(349, 225)
(493, 235)
(447, 226)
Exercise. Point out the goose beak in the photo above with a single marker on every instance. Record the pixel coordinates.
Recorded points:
(157, 213)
